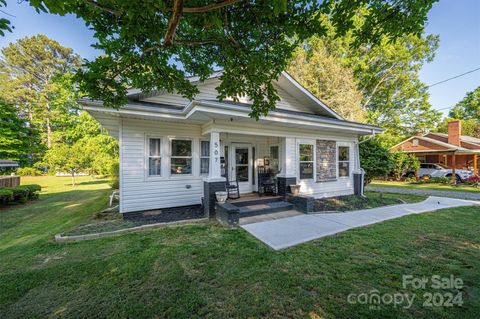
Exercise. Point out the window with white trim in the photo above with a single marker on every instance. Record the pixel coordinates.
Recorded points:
(343, 161)
(181, 157)
(204, 157)
(306, 160)
(154, 157)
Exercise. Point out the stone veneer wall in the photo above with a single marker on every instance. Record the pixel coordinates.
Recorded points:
(326, 161)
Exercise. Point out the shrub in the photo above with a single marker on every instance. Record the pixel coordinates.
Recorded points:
(435, 180)
(33, 190)
(410, 179)
(403, 163)
(20, 194)
(23, 193)
(6, 196)
(114, 173)
(374, 159)
(473, 180)
(28, 171)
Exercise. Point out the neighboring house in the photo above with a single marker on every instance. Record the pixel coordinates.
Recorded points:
(454, 150)
(175, 152)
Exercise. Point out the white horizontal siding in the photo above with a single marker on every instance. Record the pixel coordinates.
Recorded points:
(340, 186)
(140, 192)
(208, 92)
(288, 102)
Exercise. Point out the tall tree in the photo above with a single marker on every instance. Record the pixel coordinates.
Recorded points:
(388, 76)
(155, 45)
(328, 79)
(468, 107)
(35, 75)
(14, 133)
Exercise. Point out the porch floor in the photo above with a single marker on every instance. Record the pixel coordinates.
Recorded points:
(252, 197)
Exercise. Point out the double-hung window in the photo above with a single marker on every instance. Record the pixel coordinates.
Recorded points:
(306, 160)
(181, 157)
(154, 157)
(204, 157)
(343, 161)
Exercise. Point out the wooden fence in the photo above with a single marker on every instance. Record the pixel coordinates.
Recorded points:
(9, 181)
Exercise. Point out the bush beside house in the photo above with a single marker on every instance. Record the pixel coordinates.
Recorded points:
(20, 194)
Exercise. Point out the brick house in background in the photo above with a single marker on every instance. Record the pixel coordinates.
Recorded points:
(454, 150)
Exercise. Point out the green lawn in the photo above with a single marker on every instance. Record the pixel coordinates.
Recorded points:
(371, 200)
(209, 271)
(426, 186)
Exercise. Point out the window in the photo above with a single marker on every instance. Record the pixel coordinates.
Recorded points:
(306, 161)
(154, 157)
(181, 158)
(343, 161)
(204, 157)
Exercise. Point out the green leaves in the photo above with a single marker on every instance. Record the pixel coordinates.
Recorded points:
(468, 107)
(375, 159)
(251, 40)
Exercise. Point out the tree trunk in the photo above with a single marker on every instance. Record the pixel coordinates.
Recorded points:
(49, 128)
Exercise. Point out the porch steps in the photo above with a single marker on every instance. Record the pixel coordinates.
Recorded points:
(242, 202)
(253, 209)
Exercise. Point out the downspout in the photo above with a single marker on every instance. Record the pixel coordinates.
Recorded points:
(357, 162)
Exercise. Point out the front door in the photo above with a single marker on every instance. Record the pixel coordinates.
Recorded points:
(241, 166)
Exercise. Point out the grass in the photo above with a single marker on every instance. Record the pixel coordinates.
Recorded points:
(341, 203)
(208, 271)
(427, 186)
(371, 200)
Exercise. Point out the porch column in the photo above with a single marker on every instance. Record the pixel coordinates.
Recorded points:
(215, 169)
(454, 168)
(288, 174)
(475, 168)
(214, 182)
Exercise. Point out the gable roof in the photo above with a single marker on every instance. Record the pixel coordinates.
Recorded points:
(285, 82)
(441, 146)
(463, 138)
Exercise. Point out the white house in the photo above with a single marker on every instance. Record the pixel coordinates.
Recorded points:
(172, 150)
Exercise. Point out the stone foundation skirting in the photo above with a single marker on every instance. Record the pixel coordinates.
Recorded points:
(305, 204)
(228, 215)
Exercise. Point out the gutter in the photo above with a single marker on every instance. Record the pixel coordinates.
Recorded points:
(189, 110)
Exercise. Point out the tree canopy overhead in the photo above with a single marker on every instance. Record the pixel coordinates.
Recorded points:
(155, 45)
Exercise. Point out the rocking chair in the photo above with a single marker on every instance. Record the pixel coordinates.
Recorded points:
(232, 188)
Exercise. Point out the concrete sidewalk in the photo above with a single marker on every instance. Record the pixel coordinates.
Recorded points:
(291, 231)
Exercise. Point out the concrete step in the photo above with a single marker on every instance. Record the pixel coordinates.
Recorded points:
(264, 208)
(257, 201)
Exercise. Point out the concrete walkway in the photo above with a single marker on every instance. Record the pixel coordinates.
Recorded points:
(291, 231)
(425, 192)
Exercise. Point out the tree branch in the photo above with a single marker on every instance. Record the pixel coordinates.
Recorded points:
(210, 7)
(103, 8)
(173, 23)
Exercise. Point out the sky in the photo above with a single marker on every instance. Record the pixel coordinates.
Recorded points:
(456, 21)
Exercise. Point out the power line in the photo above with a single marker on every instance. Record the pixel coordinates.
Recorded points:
(454, 77)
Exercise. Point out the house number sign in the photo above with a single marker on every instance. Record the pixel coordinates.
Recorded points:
(215, 151)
